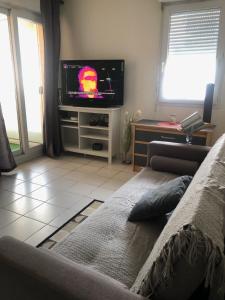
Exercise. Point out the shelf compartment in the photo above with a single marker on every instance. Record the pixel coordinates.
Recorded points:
(87, 151)
(95, 137)
(65, 116)
(69, 126)
(87, 117)
(69, 137)
(68, 120)
(94, 133)
(86, 147)
(95, 127)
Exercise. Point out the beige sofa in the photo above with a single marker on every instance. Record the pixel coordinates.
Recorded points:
(107, 257)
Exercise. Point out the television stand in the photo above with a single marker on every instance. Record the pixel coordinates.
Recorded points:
(81, 127)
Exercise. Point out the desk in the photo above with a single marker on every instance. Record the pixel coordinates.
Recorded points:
(145, 131)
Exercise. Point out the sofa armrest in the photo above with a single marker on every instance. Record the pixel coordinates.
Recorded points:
(177, 150)
(29, 273)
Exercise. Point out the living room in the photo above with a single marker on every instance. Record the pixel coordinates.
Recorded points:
(62, 198)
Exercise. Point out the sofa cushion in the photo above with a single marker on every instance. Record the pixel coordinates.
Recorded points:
(190, 247)
(174, 165)
(161, 200)
(107, 242)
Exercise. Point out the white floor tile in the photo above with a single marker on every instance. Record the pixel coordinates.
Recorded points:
(65, 199)
(124, 176)
(23, 205)
(43, 194)
(7, 217)
(88, 169)
(93, 180)
(24, 188)
(107, 172)
(63, 218)
(99, 163)
(57, 171)
(101, 194)
(22, 228)
(7, 197)
(80, 204)
(70, 165)
(26, 174)
(7, 182)
(112, 184)
(45, 178)
(82, 188)
(61, 184)
(45, 213)
(75, 175)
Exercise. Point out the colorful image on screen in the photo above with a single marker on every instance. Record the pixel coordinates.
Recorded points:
(93, 82)
(88, 81)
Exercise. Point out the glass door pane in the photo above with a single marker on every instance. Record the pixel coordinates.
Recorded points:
(31, 51)
(8, 86)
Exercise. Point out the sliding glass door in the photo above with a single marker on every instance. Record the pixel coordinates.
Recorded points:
(21, 79)
(30, 41)
(8, 85)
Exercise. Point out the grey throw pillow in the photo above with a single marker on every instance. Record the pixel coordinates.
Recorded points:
(161, 200)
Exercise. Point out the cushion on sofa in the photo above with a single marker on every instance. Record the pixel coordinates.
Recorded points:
(161, 200)
(174, 165)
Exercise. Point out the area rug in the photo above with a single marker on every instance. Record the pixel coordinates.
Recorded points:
(70, 226)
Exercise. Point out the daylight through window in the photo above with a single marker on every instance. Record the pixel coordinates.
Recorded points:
(191, 54)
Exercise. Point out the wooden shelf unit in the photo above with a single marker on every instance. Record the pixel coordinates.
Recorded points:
(78, 135)
(145, 131)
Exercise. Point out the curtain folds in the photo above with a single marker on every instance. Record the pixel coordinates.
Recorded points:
(7, 162)
(50, 11)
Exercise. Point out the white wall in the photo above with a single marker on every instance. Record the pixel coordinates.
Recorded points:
(128, 29)
(33, 5)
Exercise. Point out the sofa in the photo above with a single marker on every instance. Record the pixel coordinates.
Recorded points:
(108, 257)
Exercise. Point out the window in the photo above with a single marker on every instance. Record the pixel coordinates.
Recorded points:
(190, 52)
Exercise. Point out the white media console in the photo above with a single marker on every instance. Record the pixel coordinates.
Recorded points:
(81, 127)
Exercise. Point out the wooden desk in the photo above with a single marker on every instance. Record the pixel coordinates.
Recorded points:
(145, 131)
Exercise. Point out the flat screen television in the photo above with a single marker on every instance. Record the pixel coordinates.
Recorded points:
(92, 83)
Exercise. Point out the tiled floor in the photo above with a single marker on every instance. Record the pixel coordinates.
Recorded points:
(43, 194)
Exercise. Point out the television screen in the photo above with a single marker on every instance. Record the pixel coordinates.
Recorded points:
(94, 83)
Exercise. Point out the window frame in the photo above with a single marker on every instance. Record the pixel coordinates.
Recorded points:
(168, 10)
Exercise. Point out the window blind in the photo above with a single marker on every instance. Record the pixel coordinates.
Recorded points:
(194, 32)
